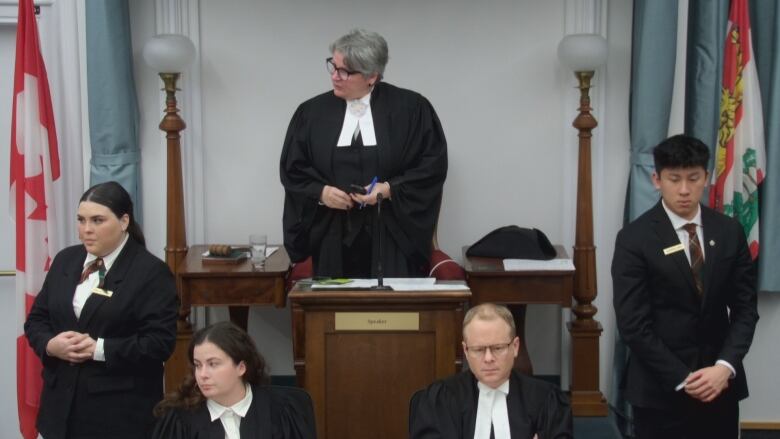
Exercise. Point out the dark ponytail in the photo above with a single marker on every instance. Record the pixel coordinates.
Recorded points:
(112, 195)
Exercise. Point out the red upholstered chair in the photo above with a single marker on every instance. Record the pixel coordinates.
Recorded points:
(442, 267)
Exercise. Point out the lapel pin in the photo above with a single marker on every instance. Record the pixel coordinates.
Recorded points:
(712, 243)
(102, 292)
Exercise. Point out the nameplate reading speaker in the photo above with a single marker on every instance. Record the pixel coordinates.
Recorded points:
(377, 321)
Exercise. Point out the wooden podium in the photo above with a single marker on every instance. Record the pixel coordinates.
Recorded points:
(362, 354)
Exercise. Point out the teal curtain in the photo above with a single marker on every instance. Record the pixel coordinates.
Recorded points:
(765, 23)
(704, 70)
(654, 45)
(113, 106)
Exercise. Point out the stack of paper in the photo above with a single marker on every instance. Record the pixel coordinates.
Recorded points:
(537, 265)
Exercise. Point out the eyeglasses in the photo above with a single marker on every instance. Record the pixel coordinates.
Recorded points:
(343, 73)
(479, 351)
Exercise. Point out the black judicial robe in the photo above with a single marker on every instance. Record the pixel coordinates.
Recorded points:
(447, 409)
(276, 412)
(411, 154)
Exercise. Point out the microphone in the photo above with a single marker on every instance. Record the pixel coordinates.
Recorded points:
(380, 286)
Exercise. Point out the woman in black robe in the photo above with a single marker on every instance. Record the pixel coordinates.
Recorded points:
(338, 143)
(229, 376)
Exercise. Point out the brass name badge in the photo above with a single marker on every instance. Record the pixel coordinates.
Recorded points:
(377, 321)
(673, 249)
(102, 292)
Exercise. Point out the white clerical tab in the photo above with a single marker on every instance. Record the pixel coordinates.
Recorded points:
(358, 113)
(492, 412)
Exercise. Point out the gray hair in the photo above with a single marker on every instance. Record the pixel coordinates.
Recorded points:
(365, 52)
(488, 312)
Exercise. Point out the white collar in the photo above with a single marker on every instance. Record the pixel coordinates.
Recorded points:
(503, 388)
(240, 408)
(358, 114)
(353, 105)
(492, 411)
(108, 260)
(677, 221)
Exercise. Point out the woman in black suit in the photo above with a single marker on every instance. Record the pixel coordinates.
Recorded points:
(225, 396)
(103, 324)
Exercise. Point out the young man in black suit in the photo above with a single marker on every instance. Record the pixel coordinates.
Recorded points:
(685, 302)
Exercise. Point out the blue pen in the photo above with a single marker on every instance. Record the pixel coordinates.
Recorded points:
(370, 189)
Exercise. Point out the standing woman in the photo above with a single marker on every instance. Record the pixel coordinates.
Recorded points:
(363, 136)
(225, 396)
(103, 324)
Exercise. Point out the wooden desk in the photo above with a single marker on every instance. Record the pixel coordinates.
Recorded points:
(362, 377)
(235, 285)
(489, 282)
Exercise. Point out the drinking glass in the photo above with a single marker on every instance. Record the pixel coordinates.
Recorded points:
(258, 243)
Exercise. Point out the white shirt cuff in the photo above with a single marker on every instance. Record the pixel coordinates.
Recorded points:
(99, 354)
(731, 368)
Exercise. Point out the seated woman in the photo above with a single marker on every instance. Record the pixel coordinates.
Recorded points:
(226, 396)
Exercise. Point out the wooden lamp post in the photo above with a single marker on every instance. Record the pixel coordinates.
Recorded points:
(583, 53)
(170, 54)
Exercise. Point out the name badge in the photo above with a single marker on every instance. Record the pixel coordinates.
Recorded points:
(102, 292)
(674, 249)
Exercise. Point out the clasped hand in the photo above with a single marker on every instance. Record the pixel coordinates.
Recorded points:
(335, 198)
(71, 346)
(708, 383)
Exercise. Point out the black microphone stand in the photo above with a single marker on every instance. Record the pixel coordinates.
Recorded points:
(380, 286)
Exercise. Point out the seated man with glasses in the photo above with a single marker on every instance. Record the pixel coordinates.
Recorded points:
(491, 400)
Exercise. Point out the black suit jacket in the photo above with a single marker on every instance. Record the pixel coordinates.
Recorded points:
(112, 398)
(669, 329)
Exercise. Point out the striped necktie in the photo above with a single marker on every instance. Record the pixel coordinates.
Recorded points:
(697, 257)
(96, 265)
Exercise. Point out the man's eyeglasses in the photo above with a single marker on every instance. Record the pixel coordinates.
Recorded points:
(343, 73)
(479, 351)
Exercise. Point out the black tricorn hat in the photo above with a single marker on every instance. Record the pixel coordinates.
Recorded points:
(513, 242)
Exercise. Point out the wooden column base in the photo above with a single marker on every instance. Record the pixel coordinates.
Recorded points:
(586, 398)
(523, 360)
(178, 366)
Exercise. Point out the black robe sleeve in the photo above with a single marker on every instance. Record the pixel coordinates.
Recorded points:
(303, 185)
(538, 407)
(415, 167)
(171, 426)
(437, 412)
(554, 420)
(292, 413)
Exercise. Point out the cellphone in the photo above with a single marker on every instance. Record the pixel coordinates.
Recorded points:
(356, 189)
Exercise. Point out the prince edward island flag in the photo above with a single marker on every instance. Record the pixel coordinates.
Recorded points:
(739, 157)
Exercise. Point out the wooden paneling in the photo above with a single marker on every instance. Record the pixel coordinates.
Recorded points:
(361, 380)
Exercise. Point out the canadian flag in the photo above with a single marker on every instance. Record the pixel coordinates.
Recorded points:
(35, 165)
